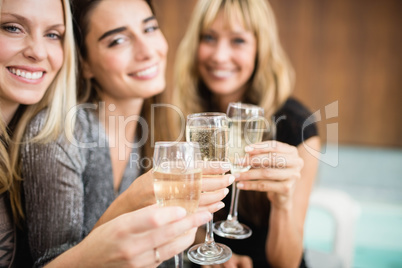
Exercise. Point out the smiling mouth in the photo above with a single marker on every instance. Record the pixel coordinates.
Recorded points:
(147, 72)
(25, 74)
(221, 73)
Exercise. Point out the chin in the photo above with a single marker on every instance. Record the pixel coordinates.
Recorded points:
(31, 100)
(222, 91)
(156, 90)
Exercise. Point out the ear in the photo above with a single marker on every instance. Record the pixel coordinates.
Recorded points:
(86, 70)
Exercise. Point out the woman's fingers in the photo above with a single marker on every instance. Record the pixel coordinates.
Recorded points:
(275, 160)
(212, 183)
(180, 244)
(208, 198)
(152, 217)
(215, 167)
(158, 237)
(155, 256)
(271, 174)
(270, 147)
(282, 187)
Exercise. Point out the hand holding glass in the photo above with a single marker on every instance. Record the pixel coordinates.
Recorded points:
(177, 177)
(246, 127)
(211, 132)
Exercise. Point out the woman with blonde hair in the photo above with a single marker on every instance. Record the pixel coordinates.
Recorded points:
(231, 53)
(91, 185)
(38, 70)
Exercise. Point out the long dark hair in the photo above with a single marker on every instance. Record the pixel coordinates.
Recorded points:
(88, 88)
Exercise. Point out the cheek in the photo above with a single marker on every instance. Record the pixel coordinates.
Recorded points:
(7, 50)
(109, 65)
(203, 52)
(56, 57)
(247, 61)
(163, 47)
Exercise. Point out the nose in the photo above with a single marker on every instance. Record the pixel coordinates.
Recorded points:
(35, 49)
(143, 49)
(221, 51)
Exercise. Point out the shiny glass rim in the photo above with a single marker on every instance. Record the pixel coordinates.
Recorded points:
(242, 105)
(207, 115)
(175, 143)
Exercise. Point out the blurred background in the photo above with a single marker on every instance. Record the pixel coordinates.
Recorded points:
(348, 62)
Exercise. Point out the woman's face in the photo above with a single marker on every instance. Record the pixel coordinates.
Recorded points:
(226, 57)
(31, 51)
(126, 50)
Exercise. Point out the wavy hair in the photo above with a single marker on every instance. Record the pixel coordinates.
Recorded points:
(89, 89)
(270, 85)
(59, 99)
(273, 78)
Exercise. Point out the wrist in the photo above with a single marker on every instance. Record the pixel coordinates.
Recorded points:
(70, 258)
(280, 202)
(140, 194)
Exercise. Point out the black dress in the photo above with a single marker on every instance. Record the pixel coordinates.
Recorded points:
(254, 207)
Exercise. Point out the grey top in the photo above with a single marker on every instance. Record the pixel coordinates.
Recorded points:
(7, 233)
(68, 187)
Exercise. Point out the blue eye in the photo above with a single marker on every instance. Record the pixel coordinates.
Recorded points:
(207, 38)
(238, 41)
(54, 36)
(12, 29)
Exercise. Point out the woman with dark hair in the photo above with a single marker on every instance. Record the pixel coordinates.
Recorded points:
(92, 183)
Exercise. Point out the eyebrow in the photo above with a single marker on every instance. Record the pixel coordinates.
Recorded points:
(122, 29)
(27, 21)
(16, 16)
(108, 33)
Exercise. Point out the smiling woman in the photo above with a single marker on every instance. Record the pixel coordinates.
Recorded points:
(36, 70)
(231, 53)
(84, 190)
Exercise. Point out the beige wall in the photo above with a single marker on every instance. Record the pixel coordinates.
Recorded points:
(342, 50)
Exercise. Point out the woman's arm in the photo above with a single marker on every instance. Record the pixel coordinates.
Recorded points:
(287, 175)
(285, 239)
(141, 194)
(54, 199)
(135, 239)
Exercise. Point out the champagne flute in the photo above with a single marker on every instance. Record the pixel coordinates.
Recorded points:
(211, 132)
(177, 177)
(246, 128)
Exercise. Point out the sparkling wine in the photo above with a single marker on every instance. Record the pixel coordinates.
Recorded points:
(213, 141)
(243, 133)
(178, 188)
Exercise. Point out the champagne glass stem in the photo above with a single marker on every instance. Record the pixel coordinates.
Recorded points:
(178, 260)
(209, 236)
(232, 216)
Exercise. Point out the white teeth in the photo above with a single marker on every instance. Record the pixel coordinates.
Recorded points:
(27, 75)
(148, 71)
(221, 74)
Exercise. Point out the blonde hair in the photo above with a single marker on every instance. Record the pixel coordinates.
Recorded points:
(273, 78)
(59, 98)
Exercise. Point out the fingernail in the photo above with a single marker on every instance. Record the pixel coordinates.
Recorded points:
(240, 185)
(232, 179)
(248, 149)
(206, 217)
(181, 212)
(236, 175)
(220, 205)
(226, 191)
